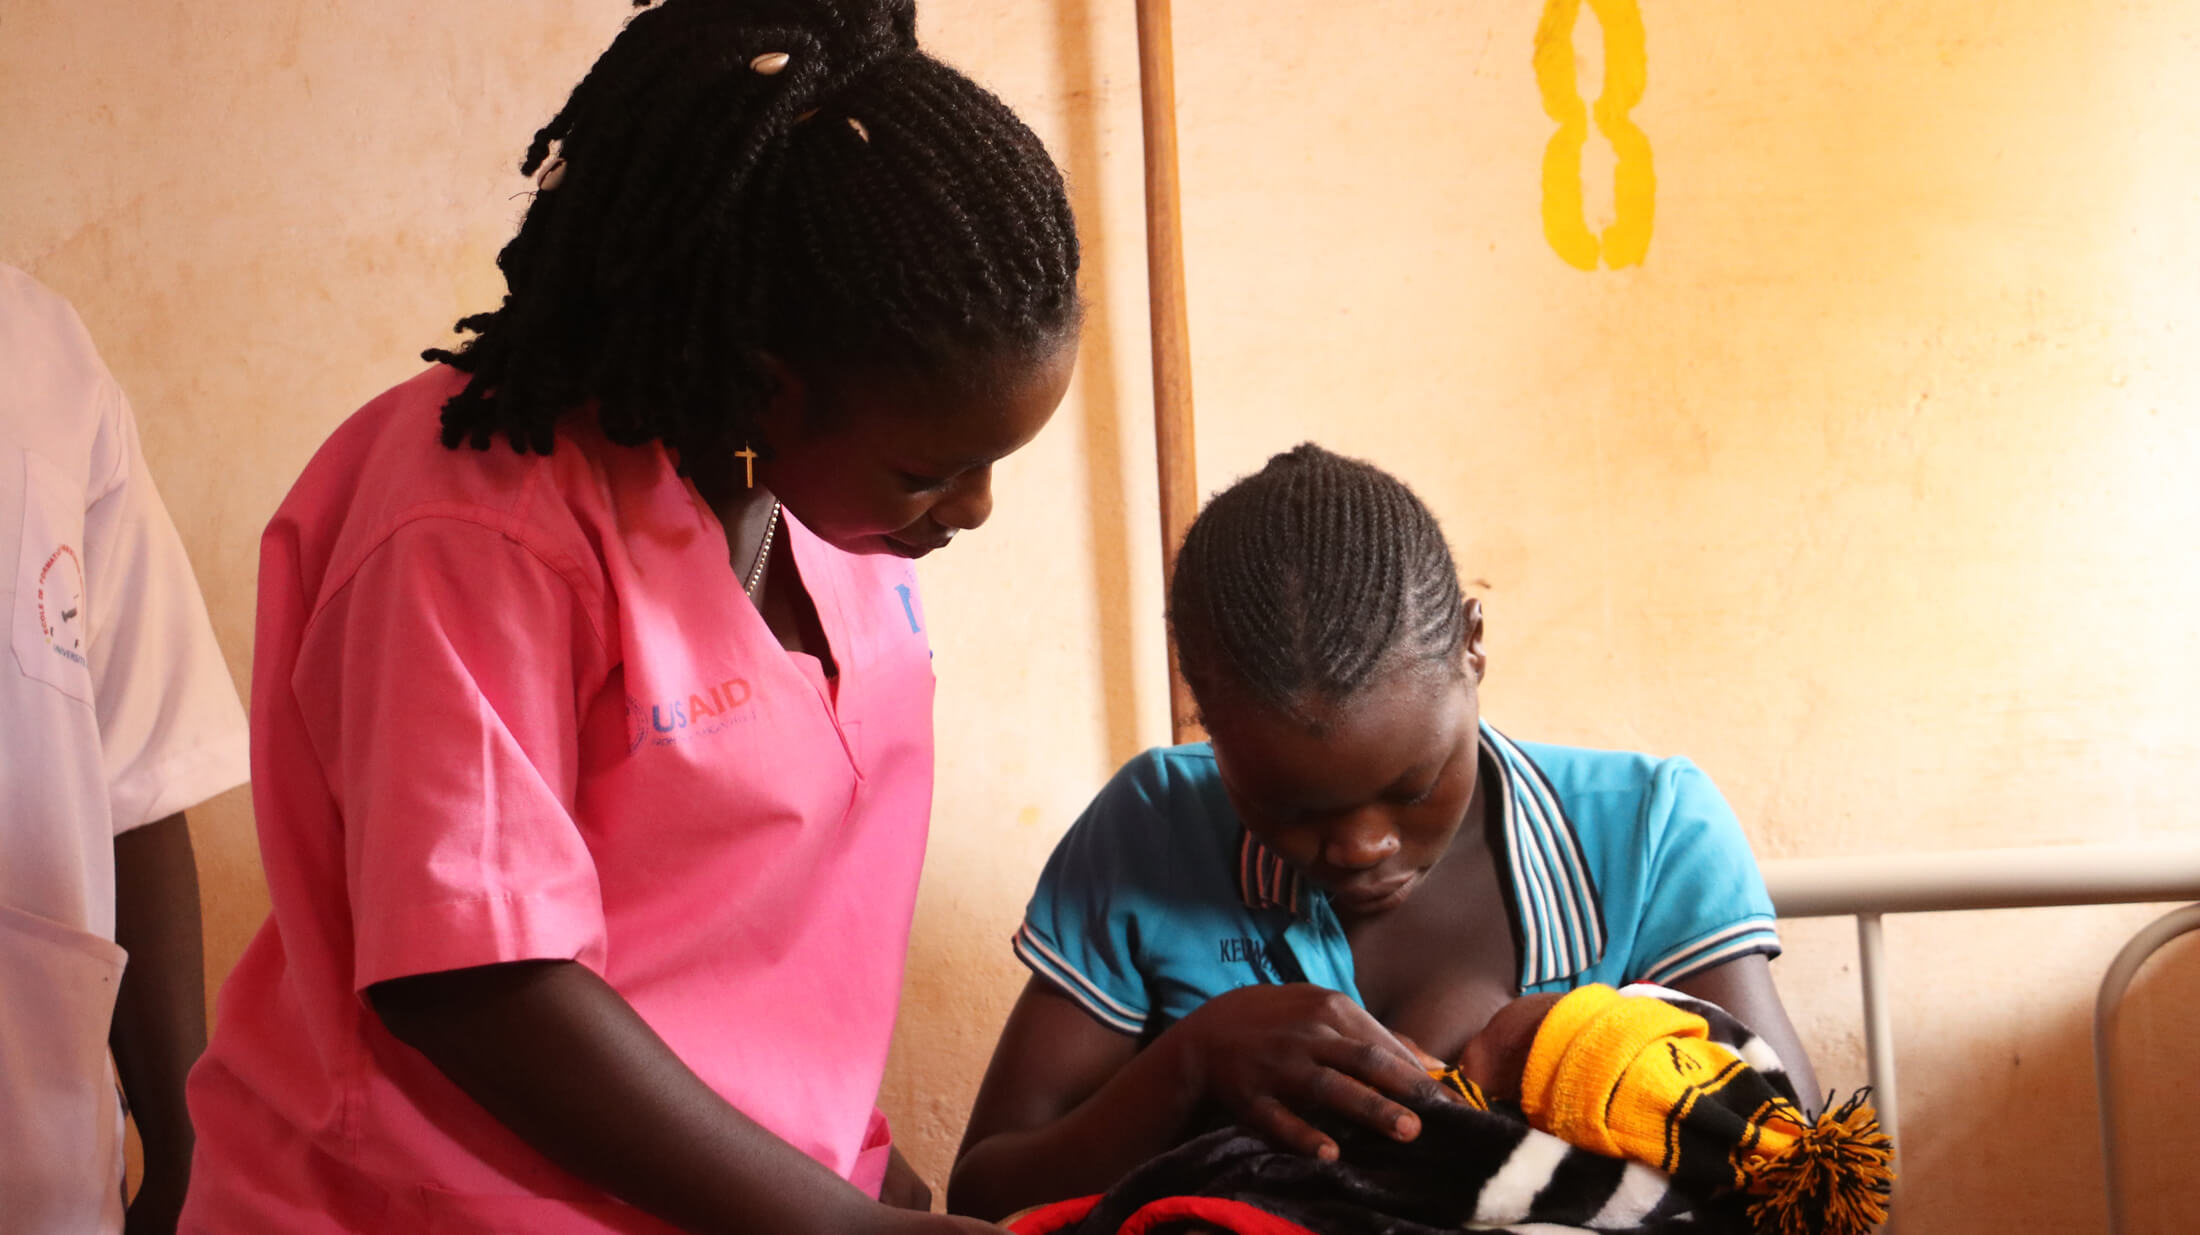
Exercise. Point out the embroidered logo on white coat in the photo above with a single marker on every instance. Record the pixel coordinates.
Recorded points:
(60, 602)
(49, 623)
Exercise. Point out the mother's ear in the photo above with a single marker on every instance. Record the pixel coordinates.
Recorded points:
(1477, 662)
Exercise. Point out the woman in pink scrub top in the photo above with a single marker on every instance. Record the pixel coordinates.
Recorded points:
(592, 696)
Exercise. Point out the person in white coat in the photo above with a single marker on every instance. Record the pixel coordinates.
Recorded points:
(117, 713)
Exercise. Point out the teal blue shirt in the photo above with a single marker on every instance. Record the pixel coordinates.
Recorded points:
(1616, 867)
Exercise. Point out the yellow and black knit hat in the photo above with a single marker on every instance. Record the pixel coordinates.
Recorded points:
(1641, 1078)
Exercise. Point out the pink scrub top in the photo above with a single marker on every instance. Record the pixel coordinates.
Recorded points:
(511, 707)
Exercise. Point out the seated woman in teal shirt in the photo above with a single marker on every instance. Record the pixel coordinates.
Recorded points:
(1355, 870)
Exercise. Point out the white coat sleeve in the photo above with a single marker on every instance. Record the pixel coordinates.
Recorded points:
(172, 730)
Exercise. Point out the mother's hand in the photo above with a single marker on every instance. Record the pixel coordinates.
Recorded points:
(1275, 1057)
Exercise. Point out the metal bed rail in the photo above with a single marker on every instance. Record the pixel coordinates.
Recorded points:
(1868, 888)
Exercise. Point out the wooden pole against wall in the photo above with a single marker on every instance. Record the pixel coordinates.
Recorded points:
(1172, 339)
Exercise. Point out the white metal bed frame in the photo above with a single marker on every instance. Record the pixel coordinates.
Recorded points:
(1867, 888)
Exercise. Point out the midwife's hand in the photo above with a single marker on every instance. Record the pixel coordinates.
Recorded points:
(1274, 1056)
(904, 1188)
(1497, 1057)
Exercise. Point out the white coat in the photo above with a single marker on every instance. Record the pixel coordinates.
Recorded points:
(116, 709)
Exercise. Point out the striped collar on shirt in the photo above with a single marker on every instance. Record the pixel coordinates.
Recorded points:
(1554, 897)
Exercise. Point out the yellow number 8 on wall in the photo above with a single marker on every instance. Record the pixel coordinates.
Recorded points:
(1634, 182)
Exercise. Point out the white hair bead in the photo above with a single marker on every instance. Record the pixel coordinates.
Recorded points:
(770, 62)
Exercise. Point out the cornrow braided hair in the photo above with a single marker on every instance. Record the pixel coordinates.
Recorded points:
(857, 208)
(1300, 583)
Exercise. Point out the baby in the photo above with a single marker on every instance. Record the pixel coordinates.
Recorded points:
(1648, 1074)
(1496, 1059)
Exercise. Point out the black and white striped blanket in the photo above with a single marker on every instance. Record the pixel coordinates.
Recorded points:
(1468, 1170)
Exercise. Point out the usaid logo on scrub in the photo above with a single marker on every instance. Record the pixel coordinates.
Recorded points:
(700, 712)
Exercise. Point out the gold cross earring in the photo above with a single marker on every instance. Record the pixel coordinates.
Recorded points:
(748, 463)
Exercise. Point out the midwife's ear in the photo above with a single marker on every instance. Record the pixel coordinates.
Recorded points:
(786, 413)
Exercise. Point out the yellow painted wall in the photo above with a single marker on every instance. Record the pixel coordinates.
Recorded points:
(1869, 488)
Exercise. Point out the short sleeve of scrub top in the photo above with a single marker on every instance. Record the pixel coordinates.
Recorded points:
(437, 686)
(171, 731)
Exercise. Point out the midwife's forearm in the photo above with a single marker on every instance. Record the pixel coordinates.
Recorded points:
(563, 1060)
(159, 1025)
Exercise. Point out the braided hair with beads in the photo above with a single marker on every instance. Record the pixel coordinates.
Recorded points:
(1298, 585)
(748, 181)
